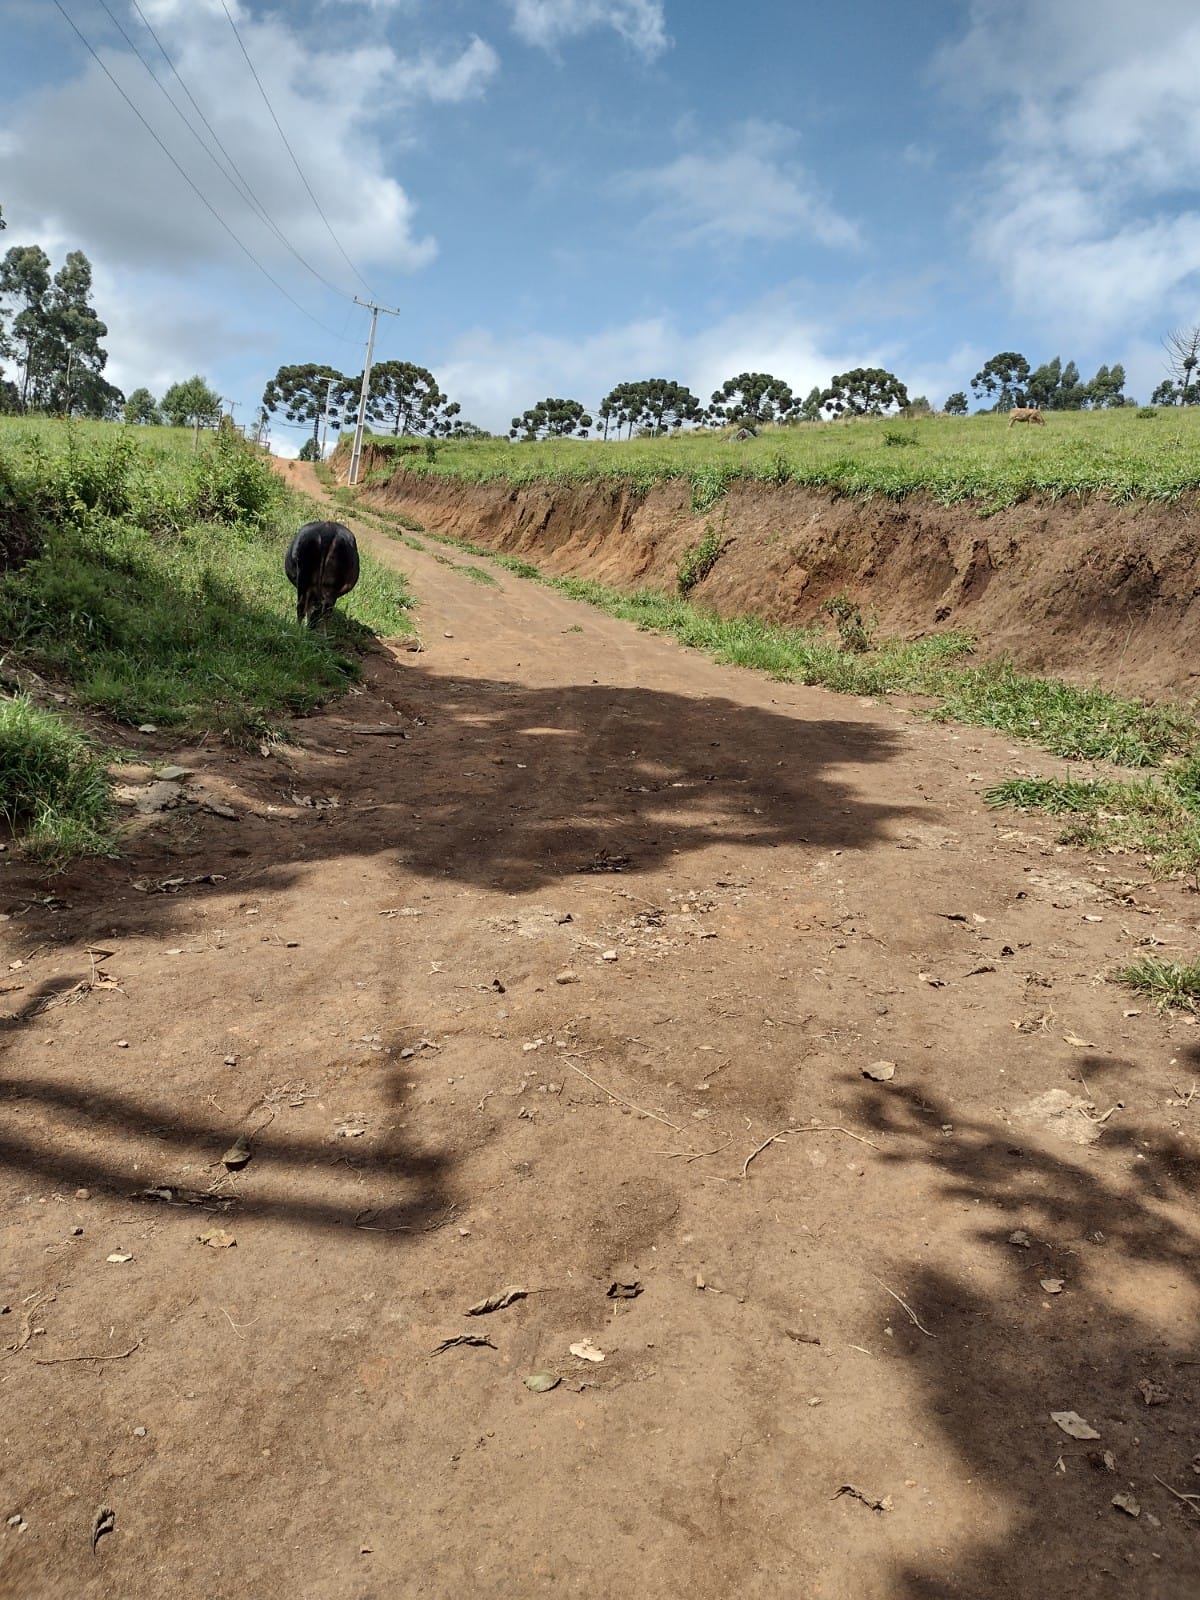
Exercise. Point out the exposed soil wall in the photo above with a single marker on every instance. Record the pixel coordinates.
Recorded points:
(1090, 591)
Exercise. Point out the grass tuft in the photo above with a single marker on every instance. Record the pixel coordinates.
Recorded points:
(54, 789)
(1167, 983)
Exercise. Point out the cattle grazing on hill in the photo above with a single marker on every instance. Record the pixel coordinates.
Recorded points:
(322, 562)
(1026, 414)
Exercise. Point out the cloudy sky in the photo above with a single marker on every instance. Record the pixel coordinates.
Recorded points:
(558, 195)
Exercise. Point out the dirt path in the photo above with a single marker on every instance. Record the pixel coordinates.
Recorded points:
(510, 1001)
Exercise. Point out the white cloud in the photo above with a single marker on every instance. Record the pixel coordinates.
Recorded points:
(1090, 212)
(80, 164)
(496, 379)
(750, 188)
(463, 77)
(547, 23)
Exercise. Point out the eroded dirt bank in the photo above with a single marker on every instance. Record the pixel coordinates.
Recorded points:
(1090, 591)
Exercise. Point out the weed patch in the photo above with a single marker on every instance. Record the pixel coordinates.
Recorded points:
(54, 790)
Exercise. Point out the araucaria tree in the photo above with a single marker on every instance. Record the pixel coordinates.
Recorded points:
(301, 392)
(407, 398)
(956, 404)
(864, 392)
(551, 419)
(1183, 361)
(1004, 377)
(652, 405)
(752, 397)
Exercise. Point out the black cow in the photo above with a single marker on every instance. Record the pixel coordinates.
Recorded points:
(322, 562)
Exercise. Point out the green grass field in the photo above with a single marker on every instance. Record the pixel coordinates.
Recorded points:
(158, 595)
(1119, 454)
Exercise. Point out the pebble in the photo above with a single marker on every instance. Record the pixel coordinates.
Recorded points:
(75, 1232)
(139, 1432)
(122, 1044)
(83, 1194)
(231, 1061)
(609, 955)
(566, 976)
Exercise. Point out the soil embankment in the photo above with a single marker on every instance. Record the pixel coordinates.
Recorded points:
(1087, 590)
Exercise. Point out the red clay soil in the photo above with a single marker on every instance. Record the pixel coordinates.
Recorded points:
(558, 959)
(1095, 592)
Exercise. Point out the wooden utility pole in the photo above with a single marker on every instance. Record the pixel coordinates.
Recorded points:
(356, 450)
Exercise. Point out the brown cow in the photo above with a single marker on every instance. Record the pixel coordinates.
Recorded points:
(1026, 414)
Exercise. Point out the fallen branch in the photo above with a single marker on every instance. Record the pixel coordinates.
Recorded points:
(813, 1127)
(54, 1361)
(620, 1099)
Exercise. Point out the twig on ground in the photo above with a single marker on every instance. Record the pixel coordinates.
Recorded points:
(1187, 1499)
(907, 1307)
(54, 1361)
(620, 1099)
(40, 1300)
(813, 1127)
(700, 1154)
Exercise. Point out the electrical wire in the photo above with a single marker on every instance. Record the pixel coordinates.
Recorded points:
(292, 153)
(196, 190)
(231, 172)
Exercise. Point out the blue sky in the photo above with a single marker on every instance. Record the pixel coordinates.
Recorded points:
(559, 195)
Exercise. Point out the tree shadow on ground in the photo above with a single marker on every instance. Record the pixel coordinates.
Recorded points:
(70, 1133)
(1114, 1225)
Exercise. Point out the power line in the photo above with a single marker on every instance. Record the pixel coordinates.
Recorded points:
(291, 152)
(196, 190)
(234, 175)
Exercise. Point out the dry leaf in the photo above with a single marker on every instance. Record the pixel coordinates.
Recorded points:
(119, 1257)
(880, 1071)
(1020, 1238)
(1073, 1424)
(463, 1338)
(1052, 1285)
(868, 1500)
(542, 1382)
(103, 1522)
(1080, 1044)
(216, 1239)
(1127, 1504)
(928, 977)
(495, 1302)
(587, 1351)
(238, 1153)
(1154, 1394)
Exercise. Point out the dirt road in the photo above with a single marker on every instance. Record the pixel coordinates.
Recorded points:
(510, 970)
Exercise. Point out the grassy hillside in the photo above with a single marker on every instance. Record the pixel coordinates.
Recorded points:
(1127, 454)
(157, 595)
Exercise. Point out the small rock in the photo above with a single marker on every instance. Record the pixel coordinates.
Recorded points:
(15, 1520)
(83, 1194)
(231, 1061)
(566, 976)
(407, 1053)
(1127, 1504)
(1052, 1285)
(76, 1232)
(447, 636)
(1154, 1394)
(1102, 1460)
(609, 955)
(1020, 1238)
(174, 774)
(563, 916)
(139, 1432)
(122, 1044)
